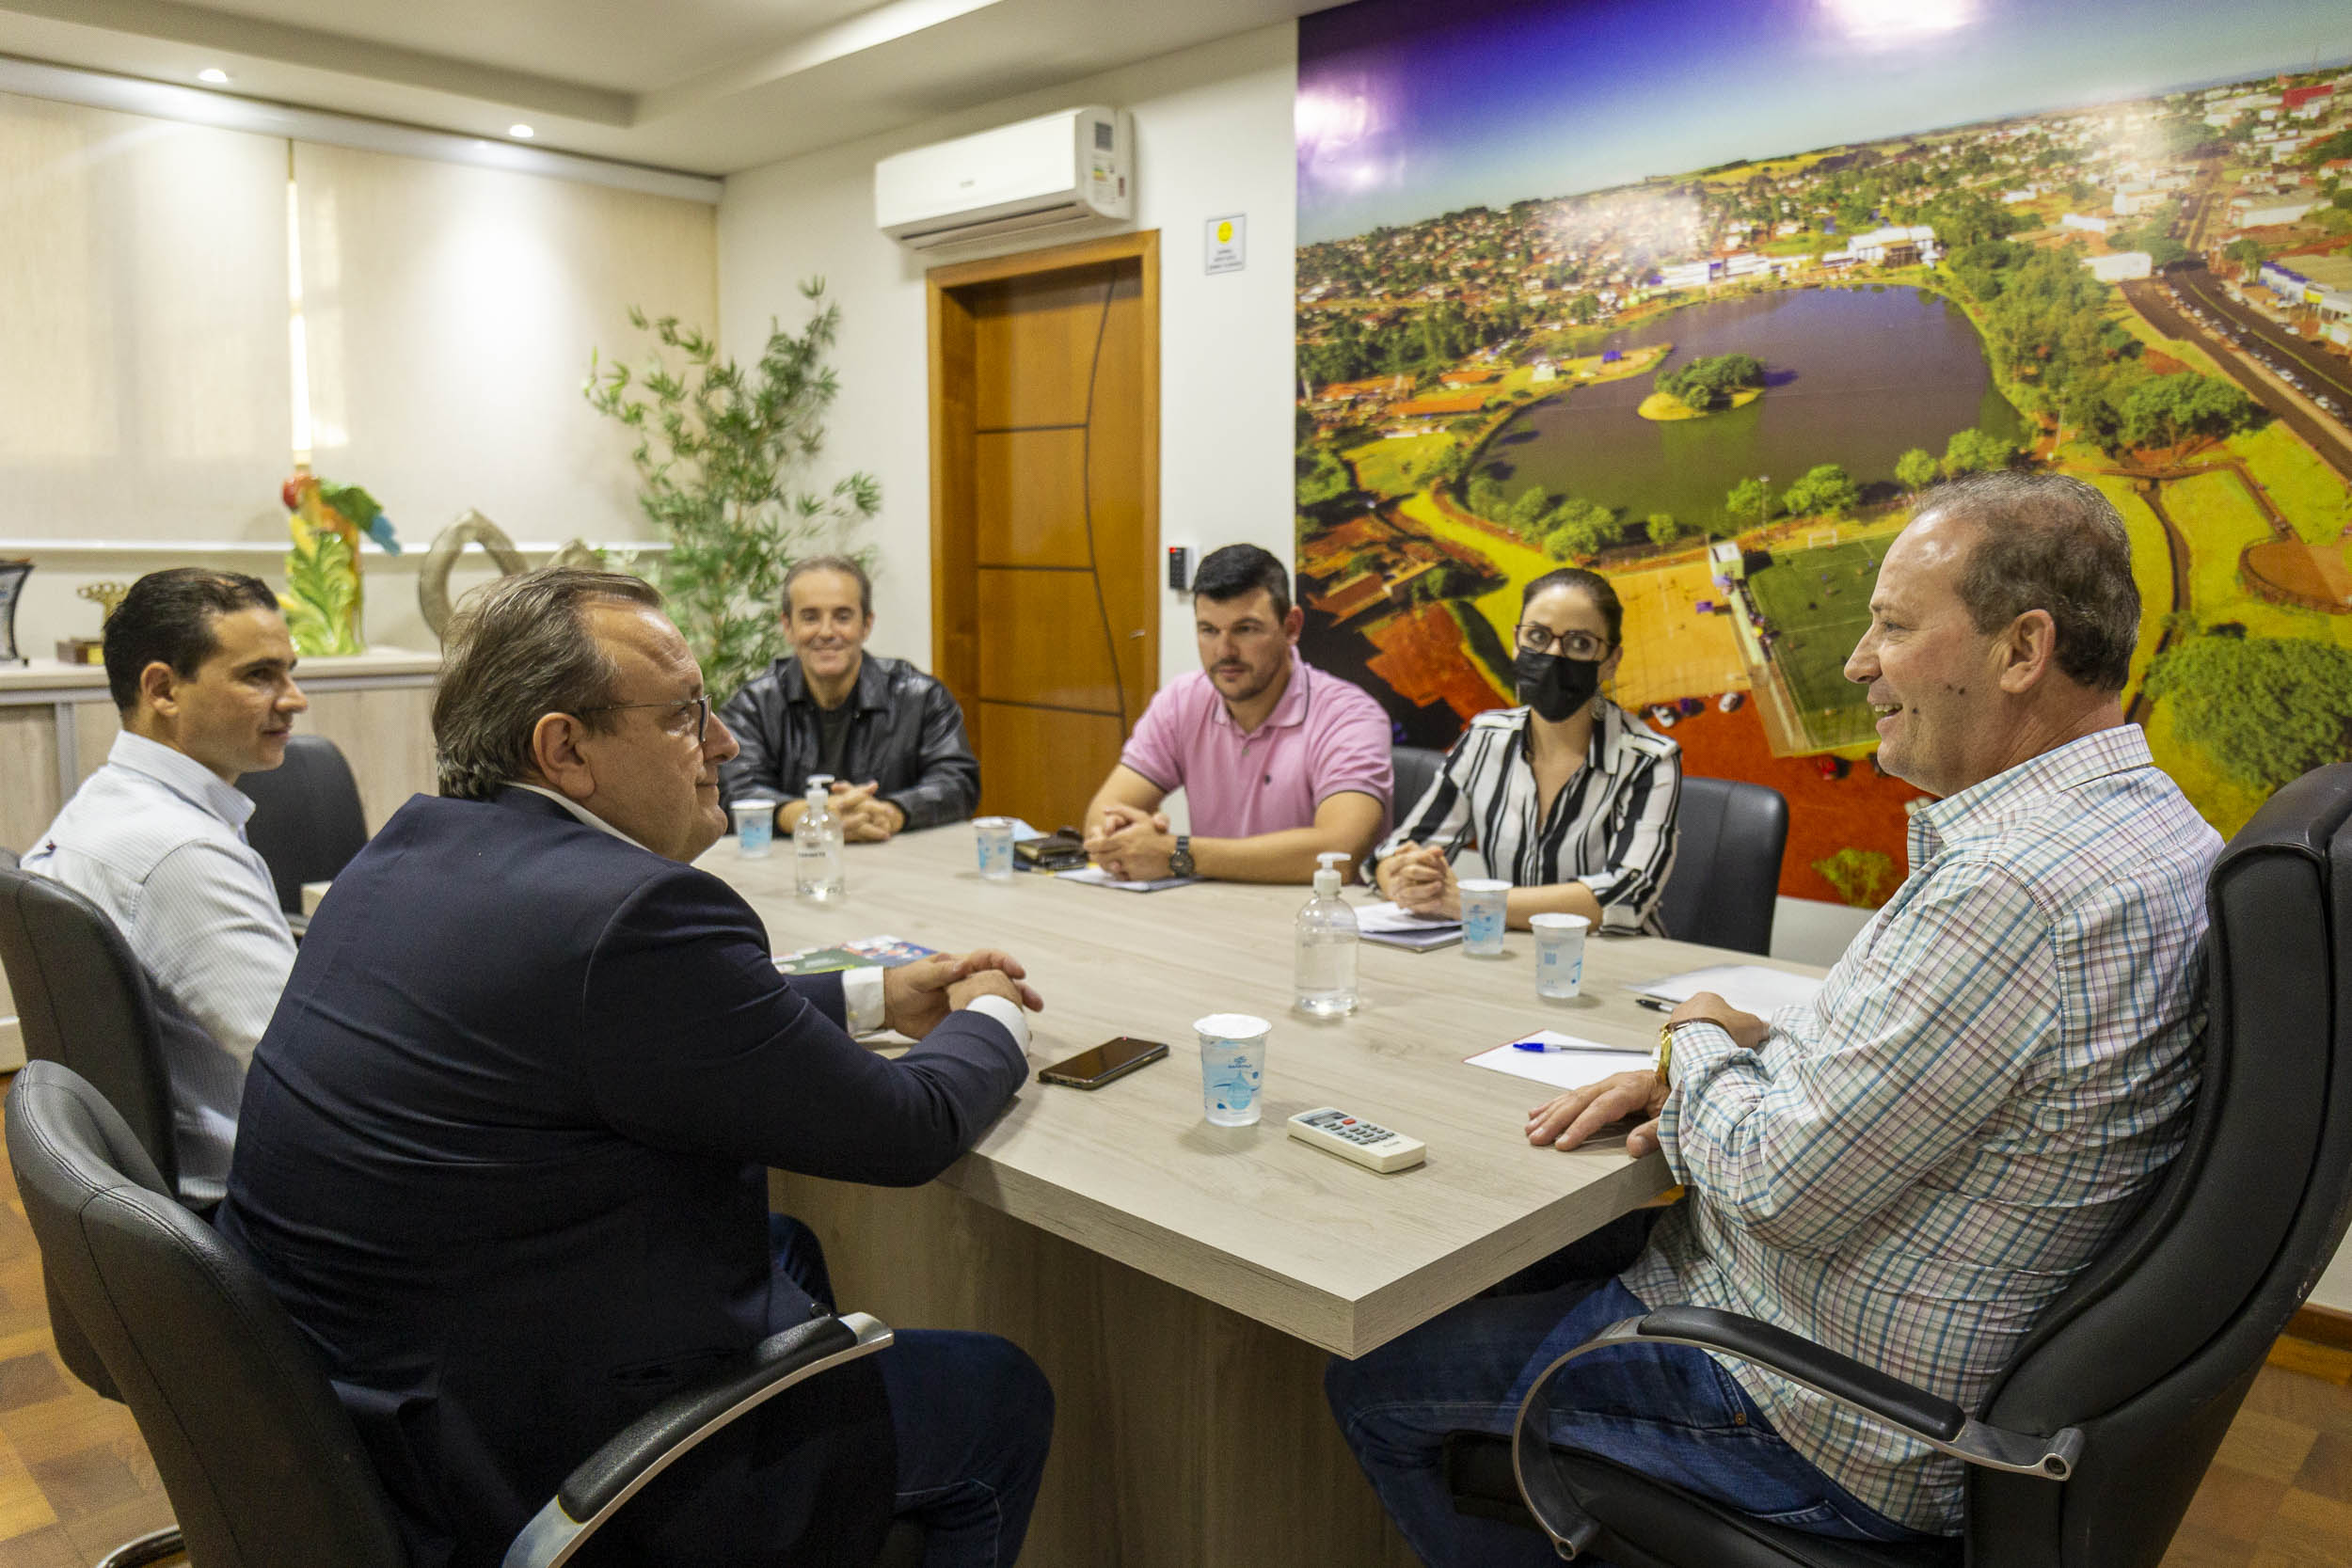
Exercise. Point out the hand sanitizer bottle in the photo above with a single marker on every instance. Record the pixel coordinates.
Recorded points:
(816, 840)
(1326, 945)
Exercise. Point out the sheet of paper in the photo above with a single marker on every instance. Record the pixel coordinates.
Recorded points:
(1094, 876)
(1750, 987)
(1388, 917)
(1570, 1063)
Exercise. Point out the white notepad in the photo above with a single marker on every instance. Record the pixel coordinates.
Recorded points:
(1094, 876)
(1573, 1064)
(1393, 927)
(1387, 915)
(1750, 987)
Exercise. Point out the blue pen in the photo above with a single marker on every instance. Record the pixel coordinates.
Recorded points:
(1539, 1045)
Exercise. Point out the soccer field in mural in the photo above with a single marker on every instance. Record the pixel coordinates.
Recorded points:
(2112, 239)
(1813, 606)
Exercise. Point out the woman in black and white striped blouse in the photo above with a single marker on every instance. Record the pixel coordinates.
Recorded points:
(1570, 797)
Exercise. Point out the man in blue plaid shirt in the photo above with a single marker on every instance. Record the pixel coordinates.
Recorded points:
(1911, 1167)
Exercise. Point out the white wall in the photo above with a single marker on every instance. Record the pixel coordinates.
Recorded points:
(2334, 1290)
(1213, 137)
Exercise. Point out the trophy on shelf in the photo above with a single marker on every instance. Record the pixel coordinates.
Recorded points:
(12, 575)
(92, 650)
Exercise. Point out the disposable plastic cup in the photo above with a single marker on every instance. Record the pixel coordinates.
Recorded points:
(1558, 953)
(1232, 1067)
(1483, 901)
(754, 828)
(994, 836)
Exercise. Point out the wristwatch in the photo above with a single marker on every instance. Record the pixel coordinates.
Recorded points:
(1664, 1063)
(1180, 860)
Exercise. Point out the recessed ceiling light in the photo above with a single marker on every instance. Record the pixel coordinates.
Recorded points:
(213, 74)
(521, 133)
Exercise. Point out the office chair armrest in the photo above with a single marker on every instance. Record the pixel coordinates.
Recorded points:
(1937, 1422)
(650, 1444)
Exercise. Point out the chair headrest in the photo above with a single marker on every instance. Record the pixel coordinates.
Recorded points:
(59, 1124)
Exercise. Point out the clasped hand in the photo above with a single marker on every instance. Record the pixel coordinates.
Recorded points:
(1567, 1120)
(863, 818)
(1130, 844)
(1422, 881)
(917, 996)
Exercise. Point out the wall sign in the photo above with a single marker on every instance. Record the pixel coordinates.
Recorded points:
(1228, 239)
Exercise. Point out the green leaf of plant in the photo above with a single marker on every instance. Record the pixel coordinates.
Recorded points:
(721, 471)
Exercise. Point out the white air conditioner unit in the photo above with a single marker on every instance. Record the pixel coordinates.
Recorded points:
(1055, 169)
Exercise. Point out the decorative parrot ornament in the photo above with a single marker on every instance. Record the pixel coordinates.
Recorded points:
(323, 597)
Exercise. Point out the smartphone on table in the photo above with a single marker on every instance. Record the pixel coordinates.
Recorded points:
(1092, 1068)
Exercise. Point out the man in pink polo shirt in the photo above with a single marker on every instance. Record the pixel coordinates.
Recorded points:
(1278, 762)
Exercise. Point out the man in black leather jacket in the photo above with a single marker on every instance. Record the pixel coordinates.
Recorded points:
(891, 736)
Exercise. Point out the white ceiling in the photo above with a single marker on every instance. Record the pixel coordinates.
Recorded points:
(706, 86)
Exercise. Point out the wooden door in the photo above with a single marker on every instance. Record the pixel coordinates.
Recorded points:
(1045, 513)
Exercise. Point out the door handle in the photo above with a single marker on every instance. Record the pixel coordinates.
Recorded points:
(1132, 634)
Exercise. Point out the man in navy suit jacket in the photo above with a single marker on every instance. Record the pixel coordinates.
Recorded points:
(505, 1143)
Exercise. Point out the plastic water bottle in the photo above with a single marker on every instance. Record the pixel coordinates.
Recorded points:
(1326, 945)
(816, 840)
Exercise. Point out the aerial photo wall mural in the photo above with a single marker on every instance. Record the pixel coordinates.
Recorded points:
(1704, 295)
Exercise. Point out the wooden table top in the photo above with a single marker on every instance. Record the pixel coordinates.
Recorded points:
(1248, 1218)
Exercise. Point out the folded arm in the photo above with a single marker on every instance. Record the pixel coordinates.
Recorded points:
(1124, 787)
(697, 1043)
(1803, 1137)
(948, 786)
(1625, 892)
(1137, 848)
(757, 770)
(1440, 820)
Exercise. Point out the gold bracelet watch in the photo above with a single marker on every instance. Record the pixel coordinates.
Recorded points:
(1664, 1063)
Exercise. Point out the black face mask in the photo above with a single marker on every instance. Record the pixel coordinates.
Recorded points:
(1554, 685)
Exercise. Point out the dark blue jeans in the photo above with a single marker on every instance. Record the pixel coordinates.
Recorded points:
(971, 1416)
(1667, 1411)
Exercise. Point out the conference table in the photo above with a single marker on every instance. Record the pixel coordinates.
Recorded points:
(1182, 1283)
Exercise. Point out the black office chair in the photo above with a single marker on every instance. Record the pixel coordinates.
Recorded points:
(1728, 837)
(2091, 1445)
(1416, 769)
(261, 1464)
(307, 820)
(82, 999)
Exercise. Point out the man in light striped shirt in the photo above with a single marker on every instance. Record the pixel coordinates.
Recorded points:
(201, 670)
(1911, 1168)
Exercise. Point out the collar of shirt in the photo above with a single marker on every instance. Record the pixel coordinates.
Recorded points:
(1289, 711)
(183, 776)
(2119, 750)
(872, 689)
(581, 812)
(1610, 750)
